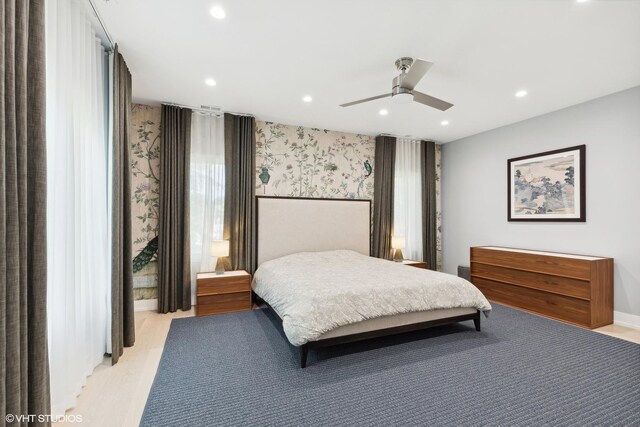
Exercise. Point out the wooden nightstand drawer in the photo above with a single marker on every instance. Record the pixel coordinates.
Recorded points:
(223, 285)
(223, 293)
(223, 303)
(416, 264)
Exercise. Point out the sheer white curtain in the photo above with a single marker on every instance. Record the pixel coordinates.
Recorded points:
(407, 194)
(77, 213)
(206, 188)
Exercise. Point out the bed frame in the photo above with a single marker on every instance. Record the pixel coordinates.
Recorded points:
(304, 349)
(286, 225)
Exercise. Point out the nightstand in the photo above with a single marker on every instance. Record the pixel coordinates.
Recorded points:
(222, 293)
(417, 264)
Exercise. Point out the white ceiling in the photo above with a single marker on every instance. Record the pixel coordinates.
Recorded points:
(267, 54)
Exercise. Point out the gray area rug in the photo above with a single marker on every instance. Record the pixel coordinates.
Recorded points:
(521, 370)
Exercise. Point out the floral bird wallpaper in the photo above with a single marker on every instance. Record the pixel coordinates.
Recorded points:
(145, 193)
(291, 161)
(296, 161)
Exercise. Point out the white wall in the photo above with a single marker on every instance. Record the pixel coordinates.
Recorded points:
(474, 189)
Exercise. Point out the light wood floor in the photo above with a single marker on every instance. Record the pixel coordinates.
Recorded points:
(623, 332)
(116, 395)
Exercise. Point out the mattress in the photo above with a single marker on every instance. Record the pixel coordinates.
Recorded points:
(320, 295)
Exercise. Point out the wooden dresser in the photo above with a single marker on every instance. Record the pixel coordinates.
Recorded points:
(222, 293)
(576, 289)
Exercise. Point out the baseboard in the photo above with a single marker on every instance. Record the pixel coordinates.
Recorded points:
(625, 319)
(146, 305)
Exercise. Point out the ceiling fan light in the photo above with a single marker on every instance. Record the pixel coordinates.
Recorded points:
(402, 98)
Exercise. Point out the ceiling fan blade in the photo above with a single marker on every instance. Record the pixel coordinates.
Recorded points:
(425, 99)
(348, 104)
(417, 70)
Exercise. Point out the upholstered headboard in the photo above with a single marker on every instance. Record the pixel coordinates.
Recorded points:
(288, 225)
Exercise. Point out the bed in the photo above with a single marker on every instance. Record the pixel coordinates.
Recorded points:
(315, 273)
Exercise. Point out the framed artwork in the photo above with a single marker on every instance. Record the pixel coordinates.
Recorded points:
(548, 186)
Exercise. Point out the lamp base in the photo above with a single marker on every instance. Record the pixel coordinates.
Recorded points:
(219, 265)
(398, 256)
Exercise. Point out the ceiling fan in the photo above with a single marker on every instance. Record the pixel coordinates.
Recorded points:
(402, 87)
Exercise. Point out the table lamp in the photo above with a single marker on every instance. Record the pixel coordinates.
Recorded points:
(398, 243)
(220, 249)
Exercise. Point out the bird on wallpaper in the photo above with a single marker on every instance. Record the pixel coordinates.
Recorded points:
(368, 168)
(145, 255)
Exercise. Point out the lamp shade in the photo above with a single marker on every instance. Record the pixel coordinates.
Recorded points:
(397, 242)
(220, 248)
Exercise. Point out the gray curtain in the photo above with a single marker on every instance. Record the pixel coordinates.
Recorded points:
(428, 159)
(239, 203)
(24, 368)
(385, 160)
(174, 270)
(122, 320)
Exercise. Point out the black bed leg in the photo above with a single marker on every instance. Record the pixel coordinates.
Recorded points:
(256, 299)
(304, 350)
(476, 321)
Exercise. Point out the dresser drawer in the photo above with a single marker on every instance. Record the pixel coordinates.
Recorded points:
(560, 307)
(223, 303)
(544, 282)
(223, 285)
(553, 265)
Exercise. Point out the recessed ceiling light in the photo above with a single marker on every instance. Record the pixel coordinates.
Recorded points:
(210, 82)
(445, 123)
(521, 93)
(384, 112)
(582, 1)
(307, 98)
(217, 12)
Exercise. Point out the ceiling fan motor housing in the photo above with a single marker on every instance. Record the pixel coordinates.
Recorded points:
(397, 86)
(405, 95)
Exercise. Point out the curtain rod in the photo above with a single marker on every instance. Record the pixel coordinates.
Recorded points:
(407, 137)
(104, 27)
(206, 110)
(214, 111)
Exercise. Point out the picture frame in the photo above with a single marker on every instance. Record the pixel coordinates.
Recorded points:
(548, 186)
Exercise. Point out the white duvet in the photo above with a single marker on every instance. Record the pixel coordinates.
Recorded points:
(316, 292)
